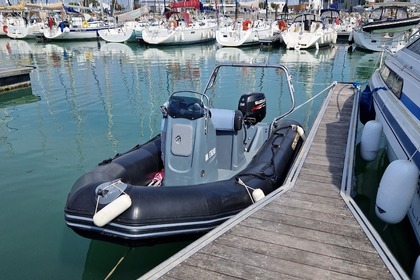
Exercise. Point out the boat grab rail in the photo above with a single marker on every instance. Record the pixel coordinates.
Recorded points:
(212, 80)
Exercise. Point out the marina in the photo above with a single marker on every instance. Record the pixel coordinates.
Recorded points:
(90, 100)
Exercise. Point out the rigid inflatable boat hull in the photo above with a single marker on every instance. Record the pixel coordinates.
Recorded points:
(162, 214)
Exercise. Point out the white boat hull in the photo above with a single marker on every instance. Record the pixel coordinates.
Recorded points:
(88, 33)
(297, 38)
(24, 32)
(227, 37)
(400, 119)
(379, 40)
(118, 35)
(167, 36)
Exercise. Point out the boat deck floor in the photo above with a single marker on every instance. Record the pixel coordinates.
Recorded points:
(305, 230)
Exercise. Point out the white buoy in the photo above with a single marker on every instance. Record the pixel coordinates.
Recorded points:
(396, 191)
(112, 210)
(416, 270)
(370, 140)
(257, 194)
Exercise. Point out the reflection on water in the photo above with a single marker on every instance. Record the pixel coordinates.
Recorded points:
(17, 97)
(91, 100)
(247, 55)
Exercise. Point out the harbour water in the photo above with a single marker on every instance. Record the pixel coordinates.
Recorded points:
(91, 100)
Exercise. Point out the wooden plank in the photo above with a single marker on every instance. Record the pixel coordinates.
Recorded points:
(238, 265)
(187, 271)
(282, 254)
(338, 219)
(320, 187)
(313, 206)
(345, 253)
(265, 264)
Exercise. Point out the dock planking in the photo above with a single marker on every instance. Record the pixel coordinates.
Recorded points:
(304, 232)
(15, 77)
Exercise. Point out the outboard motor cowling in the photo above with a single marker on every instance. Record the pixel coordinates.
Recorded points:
(253, 107)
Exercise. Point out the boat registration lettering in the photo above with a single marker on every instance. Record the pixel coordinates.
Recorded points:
(210, 154)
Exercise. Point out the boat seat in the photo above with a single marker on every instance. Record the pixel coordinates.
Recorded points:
(229, 138)
(226, 120)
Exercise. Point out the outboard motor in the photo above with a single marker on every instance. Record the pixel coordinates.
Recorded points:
(189, 149)
(253, 107)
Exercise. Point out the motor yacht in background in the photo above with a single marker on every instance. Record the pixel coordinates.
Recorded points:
(387, 25)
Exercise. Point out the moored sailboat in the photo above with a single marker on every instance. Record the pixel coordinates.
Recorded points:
(309, 31)
(179, 28)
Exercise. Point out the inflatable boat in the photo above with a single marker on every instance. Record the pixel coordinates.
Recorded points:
(205, 166)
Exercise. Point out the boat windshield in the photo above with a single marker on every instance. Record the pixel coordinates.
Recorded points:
(415, 46)
(386, 13)
(188, 106)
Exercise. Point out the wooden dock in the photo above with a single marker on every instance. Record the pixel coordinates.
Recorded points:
(304, 230)
(15, 77)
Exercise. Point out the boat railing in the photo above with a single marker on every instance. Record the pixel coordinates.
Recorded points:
(212, 80)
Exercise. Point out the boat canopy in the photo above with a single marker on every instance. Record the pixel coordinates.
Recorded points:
(388, 13)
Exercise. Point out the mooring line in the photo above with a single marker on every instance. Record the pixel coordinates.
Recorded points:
(118, 263)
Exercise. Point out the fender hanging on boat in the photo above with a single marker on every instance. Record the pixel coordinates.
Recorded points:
(396, 191)
(112, 210)
(367, 111)
(370, 140)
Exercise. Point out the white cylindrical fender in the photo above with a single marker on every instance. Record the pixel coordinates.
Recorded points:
(396, 191)
(257, 194)
(416, 270)
(112, 210)
(66, 30)
(370, 140)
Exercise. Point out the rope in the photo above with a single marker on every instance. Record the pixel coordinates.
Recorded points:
(113, 184)
(118, 263)
(358, 85)
(240, 182)
(415, 152)
(315, 96)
